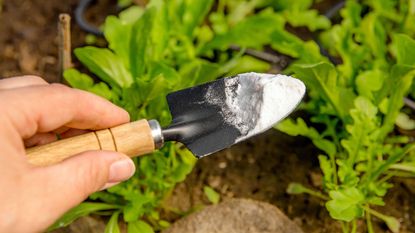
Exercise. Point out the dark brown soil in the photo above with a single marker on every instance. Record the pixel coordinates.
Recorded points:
(259, 169)
(263, 167)
(29, 36)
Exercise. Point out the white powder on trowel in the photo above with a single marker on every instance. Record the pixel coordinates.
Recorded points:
(255, 102)
(281, 95)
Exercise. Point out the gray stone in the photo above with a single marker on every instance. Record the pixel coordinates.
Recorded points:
(236, 216)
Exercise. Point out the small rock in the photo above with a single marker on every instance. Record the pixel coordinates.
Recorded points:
(316, 179)
(84, 224)
(222, 165)
(236, 216)
(214, 181)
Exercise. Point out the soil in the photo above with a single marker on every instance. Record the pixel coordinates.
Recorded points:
(260, 168)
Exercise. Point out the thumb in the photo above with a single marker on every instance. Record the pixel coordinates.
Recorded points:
(70, 182)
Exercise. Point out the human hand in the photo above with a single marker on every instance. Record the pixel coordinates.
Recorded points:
(31, 112)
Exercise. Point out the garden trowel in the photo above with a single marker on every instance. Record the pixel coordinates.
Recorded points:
(205, 118)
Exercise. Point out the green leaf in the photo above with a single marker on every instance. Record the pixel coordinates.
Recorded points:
(345, 204)
(328, 172)
(140, 52)
(323, 80)
(296, 188)
(239, 10)
(400, 80)
(160, 30)
(370, 81)
(82, 209)
(130, 15)
(299, 127)
(252, 32)
(392, 223)
(194, 14)
(404, 45)
(164, 224)
(116, 32)
(77, 79)
(249, 64)
(186, 163)
(211, 194)
(364, 123)
(374, 35)
(403, 121)
(112, 225)
(287, 43)
(84, 82)
(105, 64)
(124, 3)
(408, 167)
(309, 18)
(197, 72)
(139, 227)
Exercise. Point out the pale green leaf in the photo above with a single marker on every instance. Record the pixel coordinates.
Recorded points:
(112, 225)
(345, 204)
(323, 80)
(403, 121)
(140, 53)
(296, 188)
(105, 64)
(139, 227)
(194, 14)
(82, 209)
(211, 194)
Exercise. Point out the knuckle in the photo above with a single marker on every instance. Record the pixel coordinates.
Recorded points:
(64, 93)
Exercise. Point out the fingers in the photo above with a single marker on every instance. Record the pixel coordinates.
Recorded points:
(46, 108)
(81, 176)
(45, 138)
(73, 132)
(40, 139)
(22, 81)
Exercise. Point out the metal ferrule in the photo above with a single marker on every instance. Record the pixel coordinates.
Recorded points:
(156, 133)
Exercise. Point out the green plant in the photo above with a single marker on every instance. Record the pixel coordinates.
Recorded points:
(170, 45)
(355, 104)
(151, 52)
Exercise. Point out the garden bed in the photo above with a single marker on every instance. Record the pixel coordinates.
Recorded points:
(260, 168)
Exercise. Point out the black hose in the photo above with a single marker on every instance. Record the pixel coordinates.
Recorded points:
(80, 20)
(330, 13)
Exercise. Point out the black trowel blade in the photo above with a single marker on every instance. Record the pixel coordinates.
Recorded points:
(216, 115)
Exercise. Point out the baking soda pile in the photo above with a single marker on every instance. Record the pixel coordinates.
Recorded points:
(255, 102)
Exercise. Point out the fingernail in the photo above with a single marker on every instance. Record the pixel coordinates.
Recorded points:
(121, 170)
(108, 185)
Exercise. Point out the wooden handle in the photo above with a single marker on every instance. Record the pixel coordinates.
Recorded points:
(133, 139)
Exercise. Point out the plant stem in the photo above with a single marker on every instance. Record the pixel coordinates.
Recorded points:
(345, 227)
(64, 30)
(316, 194)
(392, 223)
(333, 165)
(354, 226)
(386, 177)
(407, 167)
(369, 223)
(374, 213)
